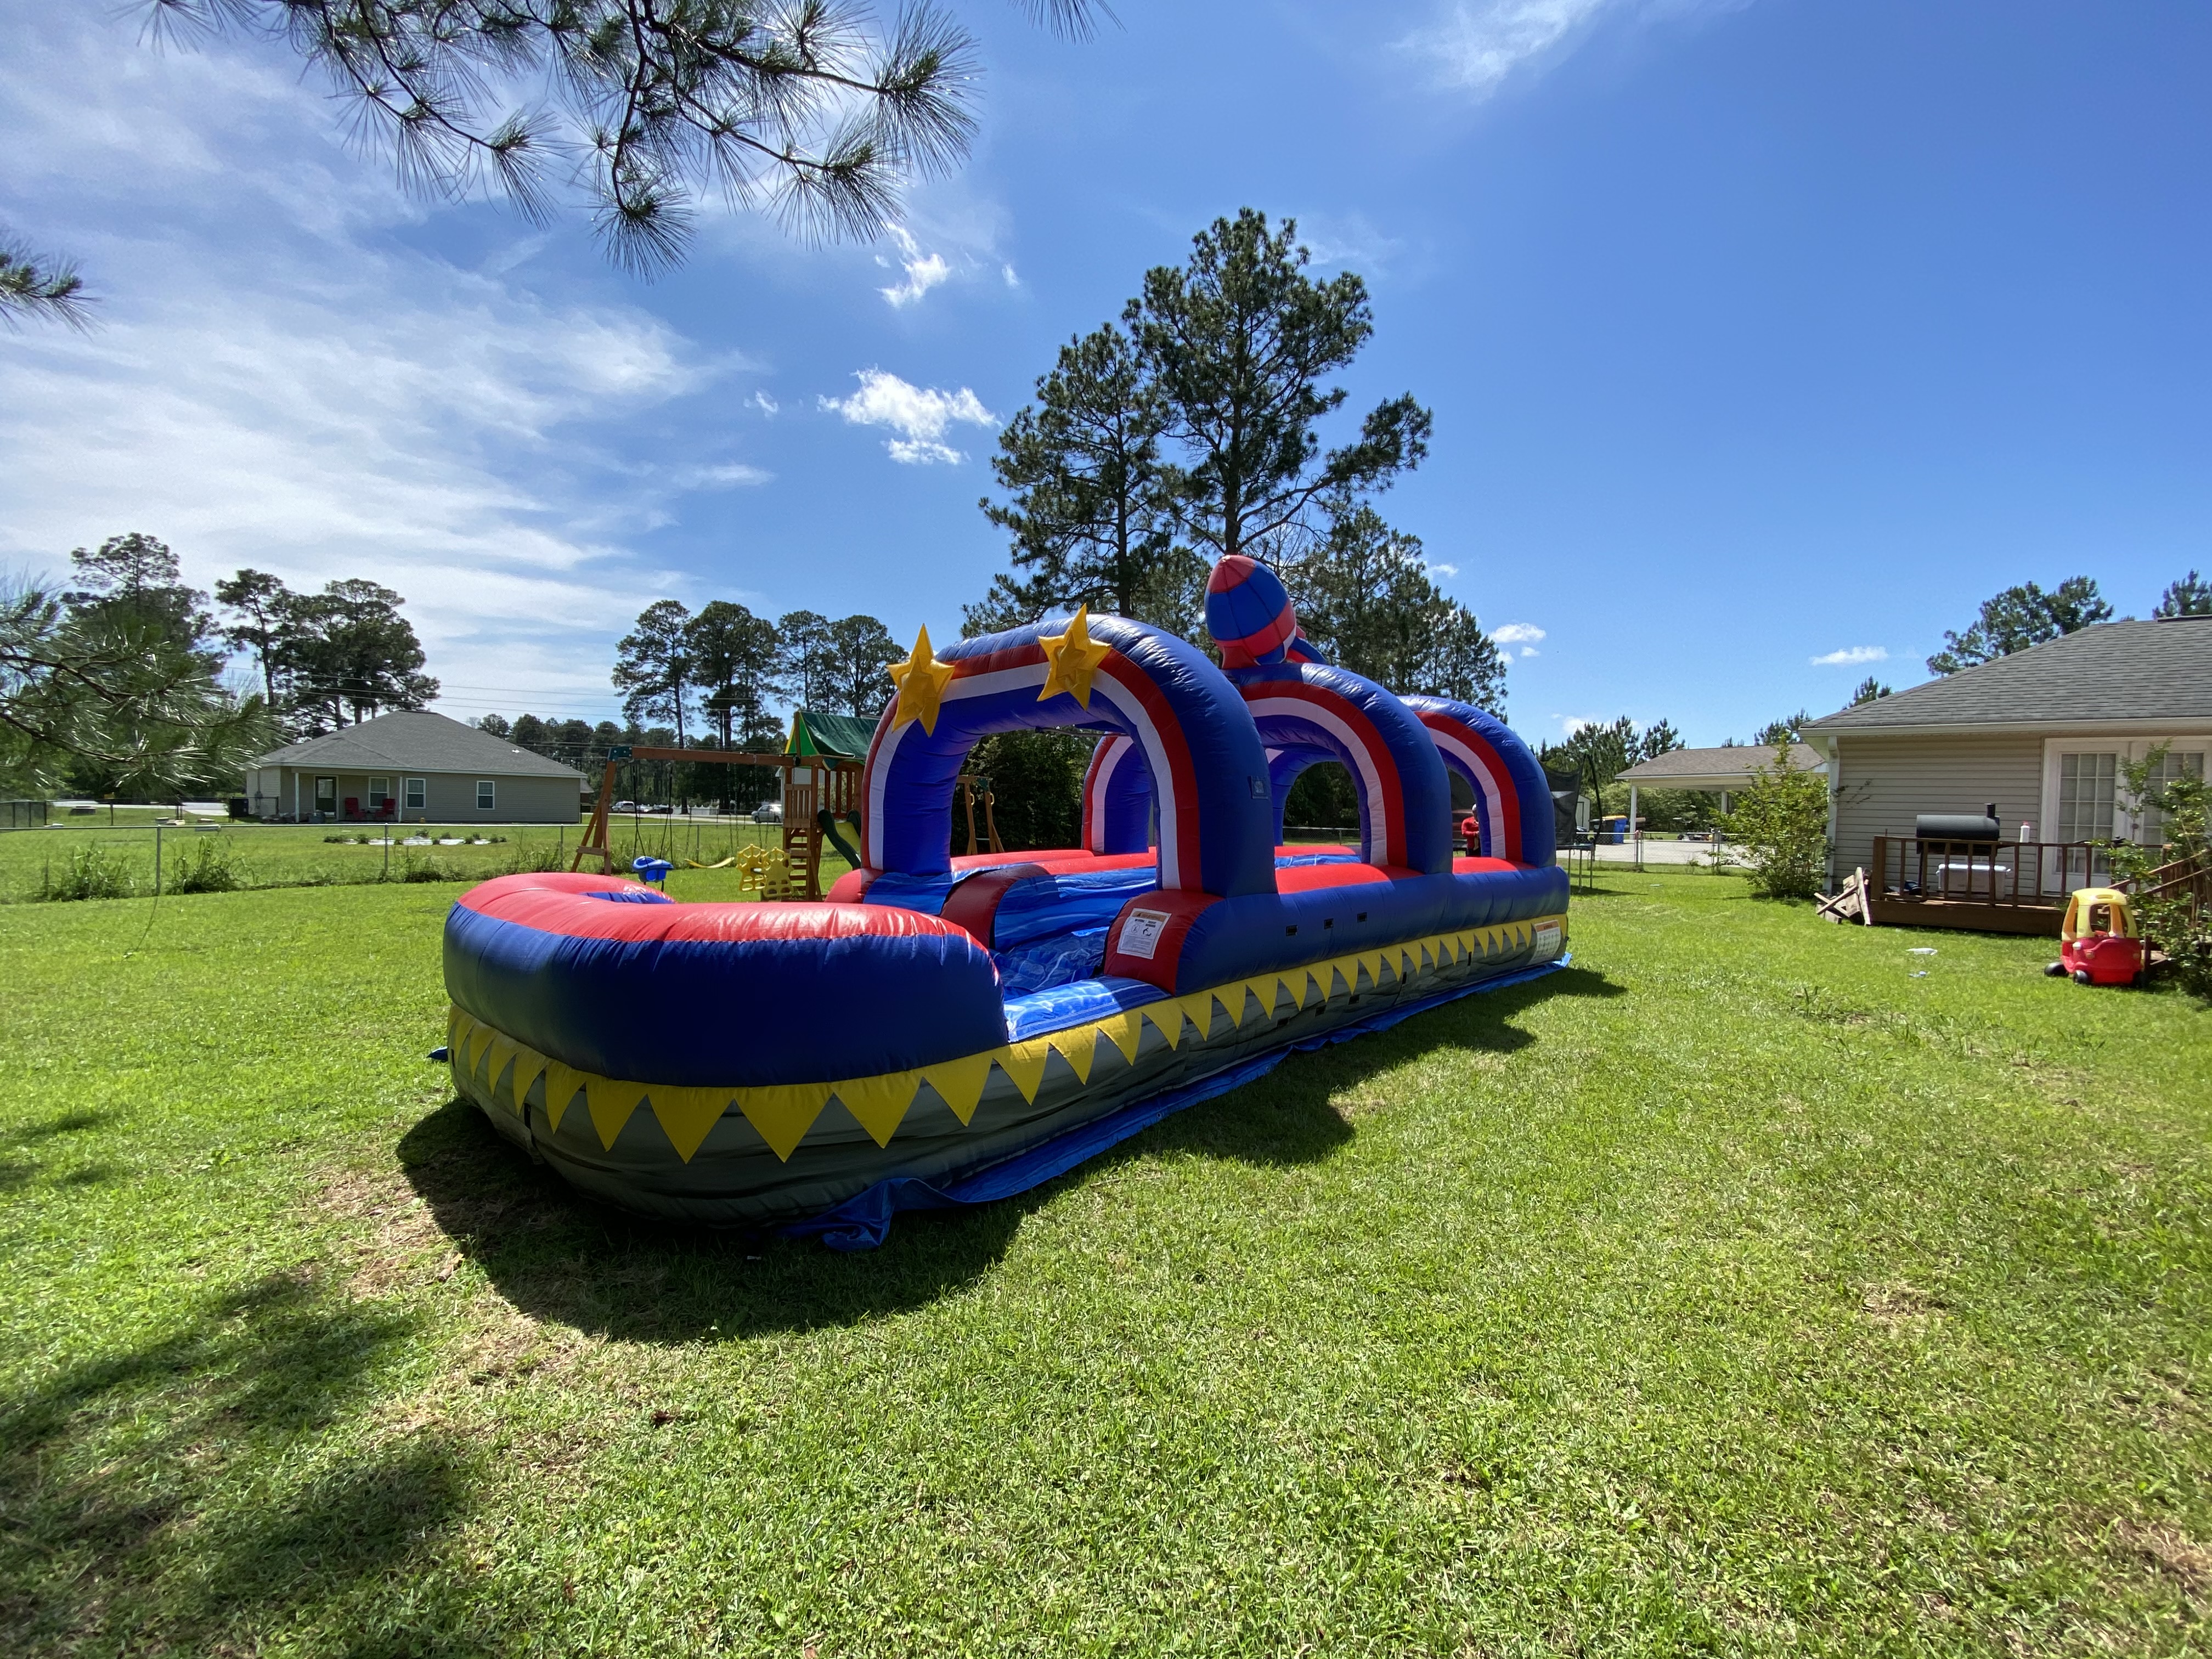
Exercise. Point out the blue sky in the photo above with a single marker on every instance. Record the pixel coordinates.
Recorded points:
(1755, 333)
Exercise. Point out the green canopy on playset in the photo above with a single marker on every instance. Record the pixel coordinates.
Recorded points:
(835, 737)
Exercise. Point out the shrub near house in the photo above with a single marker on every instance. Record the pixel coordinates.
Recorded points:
(1781, 823)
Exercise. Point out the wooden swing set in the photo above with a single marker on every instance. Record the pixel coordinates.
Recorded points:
(816, 787)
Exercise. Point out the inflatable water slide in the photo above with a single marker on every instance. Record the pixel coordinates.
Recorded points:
(949, 1030)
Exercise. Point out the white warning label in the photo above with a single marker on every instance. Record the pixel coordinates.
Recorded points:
(1549, 937)
(1140, 934)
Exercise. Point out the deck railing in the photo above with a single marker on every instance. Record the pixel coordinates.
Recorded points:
(1915, 869)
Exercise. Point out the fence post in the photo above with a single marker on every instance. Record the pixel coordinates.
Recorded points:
(157, 857)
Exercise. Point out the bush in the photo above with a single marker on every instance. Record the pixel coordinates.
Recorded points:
(209, 869)
(535, 856)
(420, 866)
(1037, 786)
(92, 872)
(1780, 825)
(1322, 798)
(2177, 920)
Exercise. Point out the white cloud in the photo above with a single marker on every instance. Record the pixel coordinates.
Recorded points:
(920, 417)
(1530, 651)
(1347, 241)
(1008, 271)
(730, 475)
(924, 271)
(1517, 633)
(1852, 653)
(766, 404)
(1441, 568)
(1571, 724)
(1476, 46)
(279, 380)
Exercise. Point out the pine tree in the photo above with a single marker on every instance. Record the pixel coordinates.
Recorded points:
(1090, 512)
(1240, 339)
(2189, 597)
(862, 649)
(1364, 596)
(2020, 617)
(653, 665)
(732, 656)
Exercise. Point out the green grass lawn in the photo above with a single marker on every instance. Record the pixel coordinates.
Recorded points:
(293, 855)
(1735, 1290)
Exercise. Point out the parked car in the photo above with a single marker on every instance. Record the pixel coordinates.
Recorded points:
(769, 811)
(625, 806)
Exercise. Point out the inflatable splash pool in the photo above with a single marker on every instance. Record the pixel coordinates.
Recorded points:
(946, 1030)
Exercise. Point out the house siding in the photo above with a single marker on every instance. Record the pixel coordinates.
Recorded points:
(1882, 783)
(450, 797)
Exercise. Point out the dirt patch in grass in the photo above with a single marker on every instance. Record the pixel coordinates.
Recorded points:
(2173, 1552)
(1897, 1305)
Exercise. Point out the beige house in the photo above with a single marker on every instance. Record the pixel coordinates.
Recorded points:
(414, 767)
(2039, 735)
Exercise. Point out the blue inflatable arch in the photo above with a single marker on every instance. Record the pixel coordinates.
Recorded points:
(1117, 798)
(1308, 712)
(1204, 760)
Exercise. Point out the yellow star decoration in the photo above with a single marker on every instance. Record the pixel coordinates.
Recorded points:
(1071, 658)
(921, 680)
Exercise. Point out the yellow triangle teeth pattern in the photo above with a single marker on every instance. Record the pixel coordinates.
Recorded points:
(782, 1114)
(878, 1104)
(1167, 1017)
(562, 1082)
(686, 1114)
(610, 1102)
(1125, 1032)
(1023, 1064)
(959, 1083)
(1077, 1047)
(529, 1066)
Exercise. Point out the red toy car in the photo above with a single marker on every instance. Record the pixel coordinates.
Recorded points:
(2098, 944)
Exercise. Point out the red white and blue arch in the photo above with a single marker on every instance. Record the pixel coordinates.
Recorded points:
(1512, 797)
(1117, 798)
(1203, 759)
(1312, 711)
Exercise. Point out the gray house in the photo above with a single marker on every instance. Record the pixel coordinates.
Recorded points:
(2039, 734)
(414, 767)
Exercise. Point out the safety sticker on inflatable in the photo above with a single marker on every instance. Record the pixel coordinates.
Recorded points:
(1140, 934)
(1547, 943)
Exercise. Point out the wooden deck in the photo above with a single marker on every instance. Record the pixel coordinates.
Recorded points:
(1974, 917)
(1981, 886)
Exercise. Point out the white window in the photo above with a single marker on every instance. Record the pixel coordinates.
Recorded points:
(487, 796)
(2085, 798)
(418, 794)
(380, 793)
(2174, 765)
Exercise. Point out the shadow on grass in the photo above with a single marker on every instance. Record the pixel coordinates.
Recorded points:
(558, 1256)
(193, 1493)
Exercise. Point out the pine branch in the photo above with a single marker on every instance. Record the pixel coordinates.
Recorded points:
(41, 288)
(803, 106)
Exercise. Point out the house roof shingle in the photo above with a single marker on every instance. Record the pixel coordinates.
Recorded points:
(1727, 768)
(417, 740)
(2122, 672)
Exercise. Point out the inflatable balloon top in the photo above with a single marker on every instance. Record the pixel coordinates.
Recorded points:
(950, 1030)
